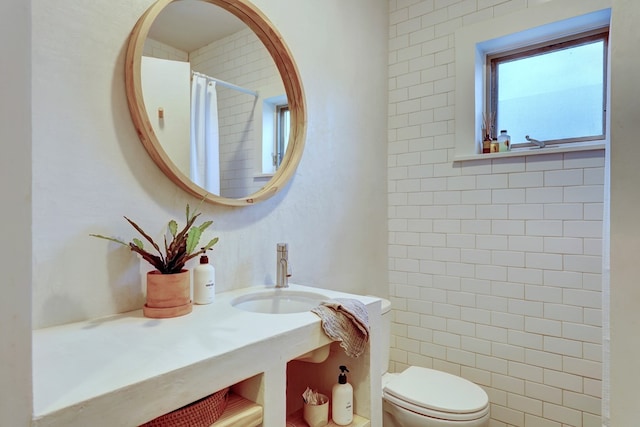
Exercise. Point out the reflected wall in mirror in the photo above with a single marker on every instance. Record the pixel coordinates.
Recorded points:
(216, 98)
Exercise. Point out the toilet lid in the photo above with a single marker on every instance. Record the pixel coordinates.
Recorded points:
(436, 393)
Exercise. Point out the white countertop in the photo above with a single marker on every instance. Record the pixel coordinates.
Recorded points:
(123, 369)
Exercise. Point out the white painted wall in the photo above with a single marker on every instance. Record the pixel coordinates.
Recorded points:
(89, 168)
(625, 203)
(165, 84)
(15, 226)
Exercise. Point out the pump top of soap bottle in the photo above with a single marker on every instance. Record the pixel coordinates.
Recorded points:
(342, 378)
(204, 259)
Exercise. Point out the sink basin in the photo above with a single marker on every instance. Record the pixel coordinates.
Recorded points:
(278, 301)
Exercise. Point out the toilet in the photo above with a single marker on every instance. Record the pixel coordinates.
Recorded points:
(422, 397)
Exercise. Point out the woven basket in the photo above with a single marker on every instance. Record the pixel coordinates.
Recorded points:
(201, 413)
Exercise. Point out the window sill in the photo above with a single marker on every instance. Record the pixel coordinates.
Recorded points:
(263, 176)
(520, 152)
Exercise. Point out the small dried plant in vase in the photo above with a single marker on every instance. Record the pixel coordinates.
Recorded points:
(488, 131)
(168, 288)
(488, 120)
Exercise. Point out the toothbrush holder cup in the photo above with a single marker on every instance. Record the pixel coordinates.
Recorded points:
(317, 415)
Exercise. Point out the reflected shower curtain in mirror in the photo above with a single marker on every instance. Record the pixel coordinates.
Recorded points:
(205, 144)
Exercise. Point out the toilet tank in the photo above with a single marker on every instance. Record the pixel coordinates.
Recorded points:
(386, 334)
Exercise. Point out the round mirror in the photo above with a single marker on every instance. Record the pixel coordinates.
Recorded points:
(216, 99)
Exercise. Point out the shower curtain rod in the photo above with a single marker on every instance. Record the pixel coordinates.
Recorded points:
(226, 84)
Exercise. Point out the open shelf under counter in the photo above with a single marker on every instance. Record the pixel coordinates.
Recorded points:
(240, 412)
(296, 420)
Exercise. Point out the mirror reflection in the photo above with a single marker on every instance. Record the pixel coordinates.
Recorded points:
(215, 98)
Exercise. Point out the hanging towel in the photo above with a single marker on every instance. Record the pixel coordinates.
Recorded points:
(345, 320)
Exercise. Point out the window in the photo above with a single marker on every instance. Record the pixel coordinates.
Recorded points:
(554, 92)
(282, 134)
(274, 135)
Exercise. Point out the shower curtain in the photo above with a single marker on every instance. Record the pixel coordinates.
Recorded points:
(205, 144)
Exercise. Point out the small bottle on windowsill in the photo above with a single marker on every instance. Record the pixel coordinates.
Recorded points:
(504, 140)
(486, 146)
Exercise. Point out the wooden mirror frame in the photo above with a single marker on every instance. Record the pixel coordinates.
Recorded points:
(283, 59)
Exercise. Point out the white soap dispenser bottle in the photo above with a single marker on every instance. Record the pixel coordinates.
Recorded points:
(342, 400)
(204, 282)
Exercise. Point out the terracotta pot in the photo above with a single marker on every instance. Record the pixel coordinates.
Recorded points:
(168, 295)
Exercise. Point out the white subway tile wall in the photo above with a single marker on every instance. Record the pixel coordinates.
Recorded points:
(243, 60)
(156, 49)
(495, 264)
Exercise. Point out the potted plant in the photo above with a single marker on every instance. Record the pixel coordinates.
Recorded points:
(168, 286)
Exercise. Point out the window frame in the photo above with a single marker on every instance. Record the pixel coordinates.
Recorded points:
(493, 59)
(282, 124)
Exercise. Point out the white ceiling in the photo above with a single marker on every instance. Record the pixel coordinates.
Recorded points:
(190, 24)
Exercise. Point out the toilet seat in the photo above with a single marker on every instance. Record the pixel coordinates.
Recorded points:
(437, 394)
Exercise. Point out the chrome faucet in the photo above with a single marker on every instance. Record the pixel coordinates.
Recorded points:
(282, 266)
(540, 144)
